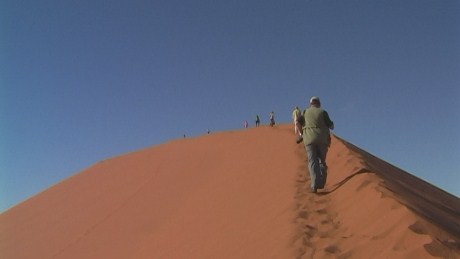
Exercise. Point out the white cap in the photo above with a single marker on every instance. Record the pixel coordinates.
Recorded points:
(314, 99)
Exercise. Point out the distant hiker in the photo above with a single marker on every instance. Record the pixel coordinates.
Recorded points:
(317, 139)
(296, 113)
(257, 121)
(272, 119)
(298, 123)
(209, 131)
(246, 124)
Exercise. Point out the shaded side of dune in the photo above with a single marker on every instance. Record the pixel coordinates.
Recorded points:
(431, 202)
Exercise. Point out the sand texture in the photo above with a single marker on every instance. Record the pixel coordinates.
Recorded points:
(235, 194)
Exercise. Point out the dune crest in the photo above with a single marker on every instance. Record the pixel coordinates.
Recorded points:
(236, 194)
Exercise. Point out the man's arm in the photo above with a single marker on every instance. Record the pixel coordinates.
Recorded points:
(329, 122)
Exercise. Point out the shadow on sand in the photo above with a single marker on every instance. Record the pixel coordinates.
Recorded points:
(348, 178)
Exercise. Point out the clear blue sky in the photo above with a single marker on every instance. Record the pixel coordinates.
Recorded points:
(82, 81)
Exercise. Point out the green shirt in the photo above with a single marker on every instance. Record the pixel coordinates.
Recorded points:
(317, 125)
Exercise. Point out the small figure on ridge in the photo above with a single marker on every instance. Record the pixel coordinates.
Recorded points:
(272, 119)
(257, 121)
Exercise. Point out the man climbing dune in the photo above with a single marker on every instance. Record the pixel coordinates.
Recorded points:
(317, 139)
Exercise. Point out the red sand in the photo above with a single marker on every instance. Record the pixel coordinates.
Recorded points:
(239, 194)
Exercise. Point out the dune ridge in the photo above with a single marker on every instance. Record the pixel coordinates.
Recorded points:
(235, 194)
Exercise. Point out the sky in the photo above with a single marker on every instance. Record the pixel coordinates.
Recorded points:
(84, 81)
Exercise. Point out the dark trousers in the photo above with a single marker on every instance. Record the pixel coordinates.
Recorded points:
(317, 164)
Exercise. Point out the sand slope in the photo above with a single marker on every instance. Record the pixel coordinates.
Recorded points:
(238, 194)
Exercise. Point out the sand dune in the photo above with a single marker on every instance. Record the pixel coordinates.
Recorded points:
(237, 194)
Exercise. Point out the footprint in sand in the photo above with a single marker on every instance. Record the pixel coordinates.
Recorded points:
(321, 201)
(321, 211)
(303, 214)
(332, 249)
(310, 230)
(418, 228)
